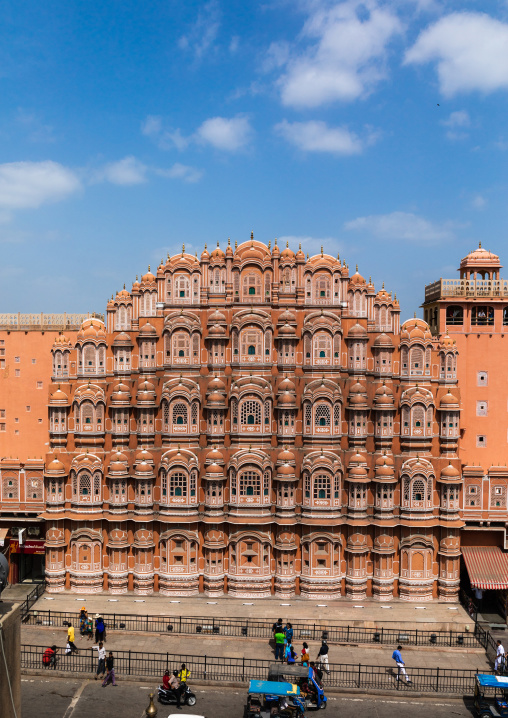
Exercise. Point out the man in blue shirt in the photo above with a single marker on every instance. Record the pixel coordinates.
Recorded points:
(397, 657)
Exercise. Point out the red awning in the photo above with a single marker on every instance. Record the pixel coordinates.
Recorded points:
(487, 566)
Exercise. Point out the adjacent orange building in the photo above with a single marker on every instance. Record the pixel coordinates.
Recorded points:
(258, 422)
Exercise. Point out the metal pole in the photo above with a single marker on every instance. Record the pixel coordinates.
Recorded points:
(437, 679)
(359, 674)
(205, 669)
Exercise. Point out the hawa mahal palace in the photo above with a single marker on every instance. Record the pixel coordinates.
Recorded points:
(259, 422)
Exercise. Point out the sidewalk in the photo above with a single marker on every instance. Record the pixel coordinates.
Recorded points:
(367, 613)
(470, 659)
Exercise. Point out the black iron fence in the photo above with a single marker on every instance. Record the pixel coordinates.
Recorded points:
(151, 666)
(258, 628)
(32, 598)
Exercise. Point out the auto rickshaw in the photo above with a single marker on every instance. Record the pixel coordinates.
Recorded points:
(490, 696)
(274, 699)
(302, 676)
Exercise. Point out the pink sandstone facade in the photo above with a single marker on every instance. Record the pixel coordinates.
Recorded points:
(254, 422)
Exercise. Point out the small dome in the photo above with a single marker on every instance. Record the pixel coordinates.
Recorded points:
(286, 317)
(216, 317)
(144, 456)
(384, 471)
(287, 330)
(448, 400)
(285, 457)
(300, 255)
(118, 456)
(385, 459)
(286, 385)
(383, 395)
(61, 341)
(148, 278)
(217, 254)
(285, 470)
(357, 278)
(216, 384)
(450, 472)
(216, 331)
(59, 397)
(214, 469)
(55, 467)
(275, 250)
(215, 457)
(205, 254)
(92, 329)
(286, 399)
(415, 329)
(357, 331)
(147, 330)
(447, 341)
(383, 340)
(357, 472)
(122, 340)
(144, 468)
(216, 398)
(287, 253)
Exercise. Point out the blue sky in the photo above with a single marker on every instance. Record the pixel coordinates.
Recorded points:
(377, 129)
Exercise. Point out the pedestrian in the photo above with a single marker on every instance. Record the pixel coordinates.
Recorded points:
(397, 657)
(83, 619)
(70, 639)
(101, 665)
(322, 657)
(99, 628)
(305, 655)
(49, 657)
(89, 629)
(110, 667)
(277, 626)
(279, 644)
(478, 594)
(500, 658)
(288, 630)
(289, 654)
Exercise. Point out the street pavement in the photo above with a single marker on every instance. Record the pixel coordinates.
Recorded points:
(70, 698)
(432, 615)
(366, 654)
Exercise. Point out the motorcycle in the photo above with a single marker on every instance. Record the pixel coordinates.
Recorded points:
(165, 697)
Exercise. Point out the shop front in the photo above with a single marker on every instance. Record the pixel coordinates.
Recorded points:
(24, 548)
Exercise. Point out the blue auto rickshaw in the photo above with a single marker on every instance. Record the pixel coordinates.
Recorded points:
(274, 699)
(303, 676)
(491, 696)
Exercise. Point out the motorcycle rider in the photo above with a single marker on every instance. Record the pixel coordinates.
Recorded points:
(178, 687)
(165, 681)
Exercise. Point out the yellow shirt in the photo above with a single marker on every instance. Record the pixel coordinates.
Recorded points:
(70, 634)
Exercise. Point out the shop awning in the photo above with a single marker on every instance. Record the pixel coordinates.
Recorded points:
(3, 534)
(487, 566)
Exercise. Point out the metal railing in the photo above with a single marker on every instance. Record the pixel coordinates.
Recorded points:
(152, 666)
(258, 628)
(32, 598)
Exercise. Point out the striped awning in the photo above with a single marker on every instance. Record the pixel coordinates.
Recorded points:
(487, 566)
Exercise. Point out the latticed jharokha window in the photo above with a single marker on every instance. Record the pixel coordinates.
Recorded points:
(322, 486)
(181, 345)
(322, 345)
(250, 412)
(250, 483)
(322, 288)
(251, 285)
(251, 342)
(179, 413)
(323, 415)
(178, 484)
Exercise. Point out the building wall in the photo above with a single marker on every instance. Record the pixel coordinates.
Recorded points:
(254, 422)
(10, 679)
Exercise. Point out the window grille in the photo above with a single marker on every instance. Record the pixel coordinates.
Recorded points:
(181, 345)
(250, 483)
(321, 488)
(267, 413)
(179, 413)
(85, 485)
(336, 417)
(193, 484)
(178, 484)
(418, 492)
(308, 414)
(194, 413)
(165, 414)
(97, 485)
(251, 338)
(322, 415)
(266, 483)
(250, 412)
(322, 345)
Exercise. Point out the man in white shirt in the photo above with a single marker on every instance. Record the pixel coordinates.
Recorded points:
(101, 666)
(500, 658)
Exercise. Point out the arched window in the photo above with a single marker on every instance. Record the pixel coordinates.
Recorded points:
(417, 360)
(321, 486)
(182, 288)
(454, 315)
(251, 341)
(180, 413)
(251, 350)
(181, 347)
(177, 484)
(251, 283)
(250, 483)
(322, 342)
(482, 315)
(322, 415)
(418, 420)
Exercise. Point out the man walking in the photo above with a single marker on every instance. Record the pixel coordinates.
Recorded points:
(397, 657)
(280, 638)
(500, 658)
(70, 639)
(101, 666)
(110, 667)
(323, 657)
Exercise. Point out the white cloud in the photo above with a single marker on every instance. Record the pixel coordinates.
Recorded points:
(401, 225)
(470, 49)
(152, 126)
(316, 136)
(183, 172)
(32, 184)
(478, 202)
(458, 122)
(203, 34)
(312, 245)
(225, 134)
(234, 44)
(128, 171)
(345, 55)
